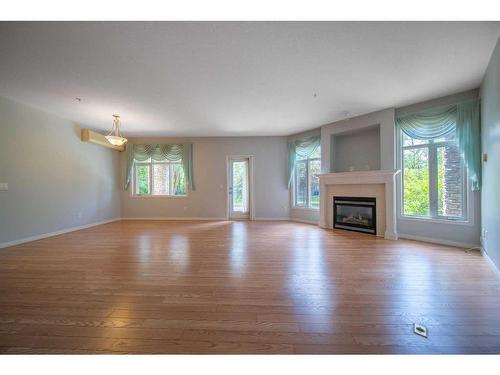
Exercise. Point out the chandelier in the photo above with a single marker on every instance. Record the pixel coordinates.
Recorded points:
(114, 137)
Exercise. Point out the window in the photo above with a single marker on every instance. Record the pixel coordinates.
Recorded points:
(159, 178)
(434, 178)
(306, 181)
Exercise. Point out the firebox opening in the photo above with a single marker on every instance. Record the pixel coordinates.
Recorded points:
(355, 213)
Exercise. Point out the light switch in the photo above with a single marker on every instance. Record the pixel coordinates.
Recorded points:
(4, 186)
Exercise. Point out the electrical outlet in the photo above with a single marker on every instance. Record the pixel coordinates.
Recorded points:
(4, 186)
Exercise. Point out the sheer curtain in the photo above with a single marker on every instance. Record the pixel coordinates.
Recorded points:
(302, 148)
(462, 117)
(161, 152)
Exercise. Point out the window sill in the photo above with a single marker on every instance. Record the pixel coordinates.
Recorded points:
(159, 196)
(436, 221)
(305, 208)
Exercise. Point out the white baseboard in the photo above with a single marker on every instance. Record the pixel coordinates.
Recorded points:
(490, 262)
(271, 218)
(437, 241)
(314, 222)
(56, 233)
(171, 218)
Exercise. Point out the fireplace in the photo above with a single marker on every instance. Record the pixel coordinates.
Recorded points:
(355, 213)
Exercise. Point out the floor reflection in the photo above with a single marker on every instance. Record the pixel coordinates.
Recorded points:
(239, 247)
(143, 252)
(309, 280)
(144, 245)
(179, 252)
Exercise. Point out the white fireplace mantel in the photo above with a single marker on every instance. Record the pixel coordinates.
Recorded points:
(387, 178)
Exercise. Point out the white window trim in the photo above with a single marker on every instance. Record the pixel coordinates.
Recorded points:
(294, 191)
(133, 193)
(159, 196)
(467, 220)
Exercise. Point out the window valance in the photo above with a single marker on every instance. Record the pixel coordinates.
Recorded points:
(429, 124)
(161, 152)
(462, 118)
(302, 148)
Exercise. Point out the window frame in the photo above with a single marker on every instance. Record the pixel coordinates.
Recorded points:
(432, 147)
(308, 184)
(134, 190)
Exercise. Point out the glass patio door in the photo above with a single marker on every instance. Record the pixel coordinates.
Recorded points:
(239, 195)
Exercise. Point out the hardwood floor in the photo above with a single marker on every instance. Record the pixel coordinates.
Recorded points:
(243, 287)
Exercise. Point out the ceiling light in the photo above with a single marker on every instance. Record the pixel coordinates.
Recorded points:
(116, 139)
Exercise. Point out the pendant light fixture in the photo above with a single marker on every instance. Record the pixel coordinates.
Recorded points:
(116, 139)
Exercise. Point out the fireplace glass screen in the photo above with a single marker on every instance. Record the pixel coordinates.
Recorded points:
(355, 213)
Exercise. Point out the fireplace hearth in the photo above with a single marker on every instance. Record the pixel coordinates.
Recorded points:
(355, 213)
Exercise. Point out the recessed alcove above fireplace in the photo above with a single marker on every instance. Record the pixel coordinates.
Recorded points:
(356, 150)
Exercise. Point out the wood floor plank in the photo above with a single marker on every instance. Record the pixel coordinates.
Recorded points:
(243, 287)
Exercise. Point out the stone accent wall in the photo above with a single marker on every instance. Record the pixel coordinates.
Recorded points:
(452, 182)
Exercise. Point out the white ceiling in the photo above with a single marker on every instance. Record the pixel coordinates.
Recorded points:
(236, 78)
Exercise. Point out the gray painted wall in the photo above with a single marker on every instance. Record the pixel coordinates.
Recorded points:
(209, 167)
(357, 150)
(55, 181)
(490, 192)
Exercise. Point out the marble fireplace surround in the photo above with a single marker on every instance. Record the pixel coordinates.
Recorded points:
(380, 184)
